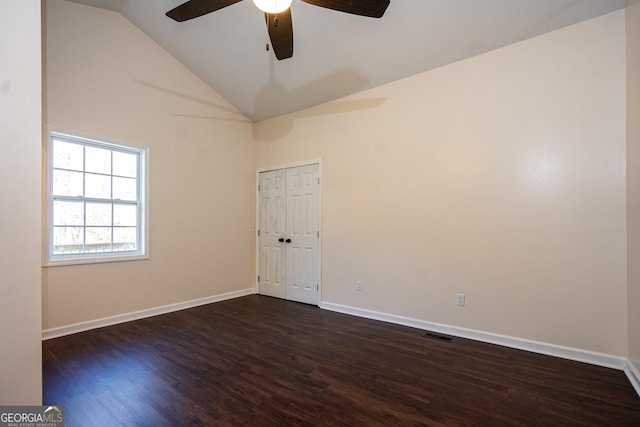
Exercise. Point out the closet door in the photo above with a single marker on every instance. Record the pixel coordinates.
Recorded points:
(271, 232)
(302, 234)
(289, 234)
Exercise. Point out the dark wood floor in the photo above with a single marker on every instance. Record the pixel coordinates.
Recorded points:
(261, 361)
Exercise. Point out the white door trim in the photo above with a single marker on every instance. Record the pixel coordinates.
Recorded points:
(257, 219)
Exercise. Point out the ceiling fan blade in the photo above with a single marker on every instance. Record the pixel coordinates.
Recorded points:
(280, 30)
(370, 8)
(195, 8)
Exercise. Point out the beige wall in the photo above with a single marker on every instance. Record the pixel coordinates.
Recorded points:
(20, 181)
(501, 177)
(633, 177)
(107, 79)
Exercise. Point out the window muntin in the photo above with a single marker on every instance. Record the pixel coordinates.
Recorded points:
(96, 200)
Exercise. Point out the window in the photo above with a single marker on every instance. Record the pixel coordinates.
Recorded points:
(96, 206)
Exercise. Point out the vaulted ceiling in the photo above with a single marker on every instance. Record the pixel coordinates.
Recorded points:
(337, 54)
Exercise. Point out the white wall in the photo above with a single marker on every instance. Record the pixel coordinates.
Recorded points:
(501, 177)
(107, 79)
(633, 177)
(20, 181)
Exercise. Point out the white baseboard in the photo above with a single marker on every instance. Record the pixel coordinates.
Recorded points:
(579, 355)
(634, 376)
(127, 317)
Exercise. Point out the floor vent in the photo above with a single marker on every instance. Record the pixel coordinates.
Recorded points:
(438, 337)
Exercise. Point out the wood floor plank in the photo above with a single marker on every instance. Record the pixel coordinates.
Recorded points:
(261, 361)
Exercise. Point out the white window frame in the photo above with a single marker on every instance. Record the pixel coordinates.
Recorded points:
(49, 258)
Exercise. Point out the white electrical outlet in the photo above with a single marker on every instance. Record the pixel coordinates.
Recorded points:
(459, 299)
(358, 285)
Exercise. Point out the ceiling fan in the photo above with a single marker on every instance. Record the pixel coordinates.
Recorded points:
(278, 15)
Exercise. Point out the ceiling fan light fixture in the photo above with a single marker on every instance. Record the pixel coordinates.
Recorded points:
(272, 6)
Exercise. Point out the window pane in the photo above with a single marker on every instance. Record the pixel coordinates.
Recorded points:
(99, 214)
(97, 160)
(98, 239)
(124, 239)
(68, 213)
(67, 183)
(67, 240)
(98, 186)
(124, 189)
(67, 155)
(125, 215)
(125, 164)
(93, 194)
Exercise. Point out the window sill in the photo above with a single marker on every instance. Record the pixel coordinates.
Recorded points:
(94, 260)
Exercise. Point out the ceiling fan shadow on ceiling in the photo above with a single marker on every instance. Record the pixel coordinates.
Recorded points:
(273, 95)
(278, 15)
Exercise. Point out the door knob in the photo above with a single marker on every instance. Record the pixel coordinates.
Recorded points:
(281, 240)
(288, 240)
